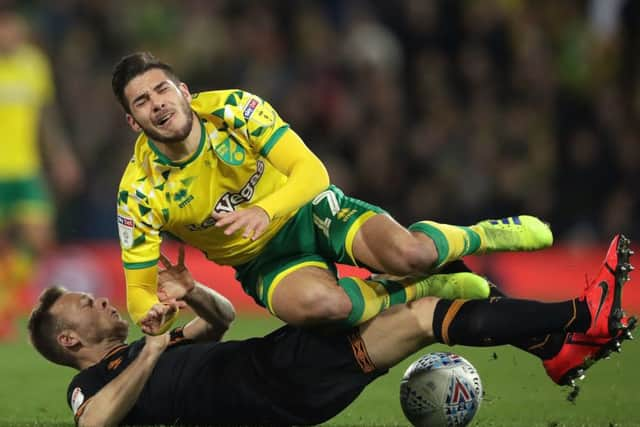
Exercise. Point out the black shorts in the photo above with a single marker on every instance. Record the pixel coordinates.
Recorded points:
(289, 377)
(312, 376)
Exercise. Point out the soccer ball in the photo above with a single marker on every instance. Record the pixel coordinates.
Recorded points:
(440, 389)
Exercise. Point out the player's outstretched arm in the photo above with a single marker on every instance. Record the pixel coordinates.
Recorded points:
(307, 175)
(112, 403)
(215, 312)
(142, 295)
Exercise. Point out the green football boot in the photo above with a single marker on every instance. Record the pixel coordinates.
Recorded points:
(448, 286)
(454, 286)
(515, 233)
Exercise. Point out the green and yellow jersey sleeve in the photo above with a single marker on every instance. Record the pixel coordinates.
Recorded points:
(139, 232)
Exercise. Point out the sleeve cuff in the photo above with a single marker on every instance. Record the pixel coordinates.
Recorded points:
(273, 140)
(139, 265)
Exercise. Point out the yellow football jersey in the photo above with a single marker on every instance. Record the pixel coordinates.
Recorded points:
(228, 171)
(25, 87)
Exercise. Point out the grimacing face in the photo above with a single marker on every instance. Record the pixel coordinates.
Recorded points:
(94, 319)
(159, 107)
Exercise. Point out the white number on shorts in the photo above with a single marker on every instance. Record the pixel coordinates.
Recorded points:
(334, 206)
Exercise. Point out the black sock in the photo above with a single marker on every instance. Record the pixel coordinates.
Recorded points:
(501, 321)
(544, 346)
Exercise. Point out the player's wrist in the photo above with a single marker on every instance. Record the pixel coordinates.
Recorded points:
(190, 286)
(266, 211)
(155, 345)
(191, 292)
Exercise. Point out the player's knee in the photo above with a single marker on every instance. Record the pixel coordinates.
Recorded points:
(413, 256)
(323, 306)
(320, 305)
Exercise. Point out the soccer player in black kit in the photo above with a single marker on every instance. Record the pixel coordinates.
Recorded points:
(292, 376)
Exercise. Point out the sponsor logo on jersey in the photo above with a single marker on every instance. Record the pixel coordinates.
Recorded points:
(228, 201)
(114, 364)
(249, 108)
(125, 231)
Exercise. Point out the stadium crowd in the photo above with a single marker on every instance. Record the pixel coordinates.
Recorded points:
(449, 110)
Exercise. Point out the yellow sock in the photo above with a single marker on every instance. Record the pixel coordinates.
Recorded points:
(370, 297)
(452, 242)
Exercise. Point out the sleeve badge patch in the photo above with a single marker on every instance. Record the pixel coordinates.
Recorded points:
(249, 108)
(125, 231)
(77, 399)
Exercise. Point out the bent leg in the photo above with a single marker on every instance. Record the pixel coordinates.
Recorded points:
(308, 296)
(399, 332)
(355, 232)
(384, 245)
(505, 320)
(516, 233)
(451, 241)
(313, 295)
(402, 330)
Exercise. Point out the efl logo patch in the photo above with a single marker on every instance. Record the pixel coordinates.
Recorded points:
(77, 399)
(125, 221)
(125, 231)
(249, 108)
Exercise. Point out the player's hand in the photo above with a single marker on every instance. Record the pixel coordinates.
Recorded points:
(152, 322)
(252, 221)
(175, 281)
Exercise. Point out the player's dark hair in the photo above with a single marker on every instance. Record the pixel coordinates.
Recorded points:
(44, 328)
(132, 66)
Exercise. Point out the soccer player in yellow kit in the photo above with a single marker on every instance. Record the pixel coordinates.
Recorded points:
(26, 108)
(224, 173)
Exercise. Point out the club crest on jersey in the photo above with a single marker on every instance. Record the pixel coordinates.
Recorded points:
(249, 108)
(230, 152)
(125, 231)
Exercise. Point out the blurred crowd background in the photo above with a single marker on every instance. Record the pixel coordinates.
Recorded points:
(452, 110)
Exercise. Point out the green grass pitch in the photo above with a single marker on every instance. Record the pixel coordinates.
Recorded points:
(517, 392)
